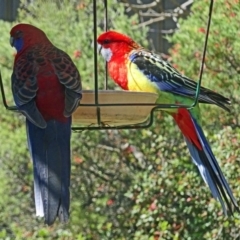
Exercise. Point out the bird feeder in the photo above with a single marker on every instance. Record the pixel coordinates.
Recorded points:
(110, 109)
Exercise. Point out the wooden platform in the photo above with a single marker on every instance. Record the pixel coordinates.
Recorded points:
(114, 115)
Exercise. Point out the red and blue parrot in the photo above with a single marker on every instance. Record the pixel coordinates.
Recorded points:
(46, 88)
(136, 69)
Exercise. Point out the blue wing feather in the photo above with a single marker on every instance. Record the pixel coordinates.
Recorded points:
(25, 102)
(168, 79)
(161, 73)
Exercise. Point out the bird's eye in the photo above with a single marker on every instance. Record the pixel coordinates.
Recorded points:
(106, 41)
(18, 34)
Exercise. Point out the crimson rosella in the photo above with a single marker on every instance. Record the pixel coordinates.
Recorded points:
(136, 69)
(46, 88)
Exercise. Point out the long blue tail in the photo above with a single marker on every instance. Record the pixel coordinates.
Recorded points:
(211, 172)
(50, 150)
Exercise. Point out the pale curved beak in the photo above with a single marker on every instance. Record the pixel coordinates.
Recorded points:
(99, 48)
(11, 40)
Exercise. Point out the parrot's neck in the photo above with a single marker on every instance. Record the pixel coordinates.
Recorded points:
(118, 71)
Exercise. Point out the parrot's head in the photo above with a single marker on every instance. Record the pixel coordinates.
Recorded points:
(112, 44)
(24, 35)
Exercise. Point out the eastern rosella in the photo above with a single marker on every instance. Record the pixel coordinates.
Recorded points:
(46, 88)
(134, 68)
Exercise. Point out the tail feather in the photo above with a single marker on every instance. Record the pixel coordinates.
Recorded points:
(37, 194)
(214, 163)
(200, 160)
(211, 97)
(206, 162)
(50, 150)
(215, 173)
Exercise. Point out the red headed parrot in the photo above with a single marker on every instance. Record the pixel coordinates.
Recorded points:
(136, 69)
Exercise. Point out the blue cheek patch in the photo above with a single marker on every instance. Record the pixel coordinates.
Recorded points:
(18, 44)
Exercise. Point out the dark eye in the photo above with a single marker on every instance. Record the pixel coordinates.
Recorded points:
(18, 34)
(106, 41)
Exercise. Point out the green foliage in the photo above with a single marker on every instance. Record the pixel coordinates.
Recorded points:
(138, 184)
(221, 73)
(69, 25)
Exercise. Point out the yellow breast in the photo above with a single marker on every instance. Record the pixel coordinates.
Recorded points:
(137, 81)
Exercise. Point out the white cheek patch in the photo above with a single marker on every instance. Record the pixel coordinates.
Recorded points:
(106, 53)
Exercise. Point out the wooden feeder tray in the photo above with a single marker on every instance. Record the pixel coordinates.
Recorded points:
(114, 115)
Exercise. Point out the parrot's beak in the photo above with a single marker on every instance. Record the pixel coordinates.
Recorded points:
(11, 40)
(99, 48)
